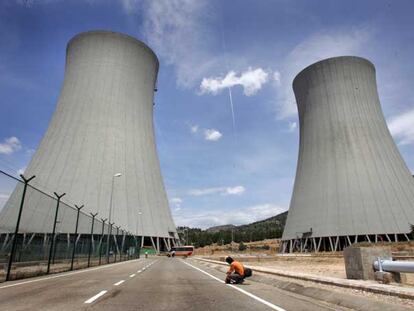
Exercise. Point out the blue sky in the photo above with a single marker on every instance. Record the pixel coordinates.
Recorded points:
(217, 169)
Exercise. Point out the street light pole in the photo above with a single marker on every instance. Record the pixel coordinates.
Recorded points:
(110, 213)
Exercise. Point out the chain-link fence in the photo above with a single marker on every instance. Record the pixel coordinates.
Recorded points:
(41, 234)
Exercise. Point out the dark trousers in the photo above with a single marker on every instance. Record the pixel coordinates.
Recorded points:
(234, 278)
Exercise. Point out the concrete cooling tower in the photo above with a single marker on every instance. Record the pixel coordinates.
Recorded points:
(100, 147)
(351, 183)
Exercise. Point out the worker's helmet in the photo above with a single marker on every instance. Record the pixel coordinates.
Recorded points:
(229, 260)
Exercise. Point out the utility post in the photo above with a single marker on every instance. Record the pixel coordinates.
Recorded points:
(52, 242)
(76, 232)
(90, 242)
(16, 229)
(102, 236)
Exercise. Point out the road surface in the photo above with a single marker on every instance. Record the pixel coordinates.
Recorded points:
(156, 283)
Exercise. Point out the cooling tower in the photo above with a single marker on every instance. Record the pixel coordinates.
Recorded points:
(102, 126)
(351, 183)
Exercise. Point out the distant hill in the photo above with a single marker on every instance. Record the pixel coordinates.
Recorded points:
(269, 228)
(277, 221)
(221, 228)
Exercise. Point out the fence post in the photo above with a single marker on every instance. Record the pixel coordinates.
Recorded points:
(16, 229)
(76, 232)
(116, 240)
(123, 244)
(102, 236)
(90, 242)
(109, 241)
(53, 231)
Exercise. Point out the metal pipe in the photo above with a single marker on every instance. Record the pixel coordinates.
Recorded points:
(394, 266)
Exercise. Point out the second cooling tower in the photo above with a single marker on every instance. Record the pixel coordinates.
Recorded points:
(100, 147)
(351, 182)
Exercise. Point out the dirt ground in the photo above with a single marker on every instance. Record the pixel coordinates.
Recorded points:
(265, 253)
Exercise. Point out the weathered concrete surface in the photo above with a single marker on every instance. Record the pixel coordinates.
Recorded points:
(351, 178)
(359, 261)
(103, 125)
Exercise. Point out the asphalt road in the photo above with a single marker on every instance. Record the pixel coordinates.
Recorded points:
(156, 283)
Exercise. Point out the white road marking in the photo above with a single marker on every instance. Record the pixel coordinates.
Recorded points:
(270, 305)
(119, 283)
(139, 271)
(68, 274)
(132, 275)
(92, 299)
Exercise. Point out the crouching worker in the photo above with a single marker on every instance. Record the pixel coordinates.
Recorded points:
(237, 272)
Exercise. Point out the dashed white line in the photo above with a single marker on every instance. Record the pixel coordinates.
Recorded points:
(119, 283)
(92, 299)
(68, 274)
(139, 271)
(271, 305)
(132, 275)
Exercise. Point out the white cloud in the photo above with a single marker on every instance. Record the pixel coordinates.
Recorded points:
(237, 190)
(244, 215)
(251, 80)
(21, 171)
(276, 78)
(194, 129)
(131, 6)
(292, 126)
(212, 134)
(402, 127)
(176, 201)
(315, 48)
(10, 145)
(177, 31)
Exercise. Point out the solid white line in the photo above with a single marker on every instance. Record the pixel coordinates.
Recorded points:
(92, 299)
(132, 275)
(119, 283)
(271, 305)
(68, 274)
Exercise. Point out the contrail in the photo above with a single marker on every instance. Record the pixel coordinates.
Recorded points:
(232, 113)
